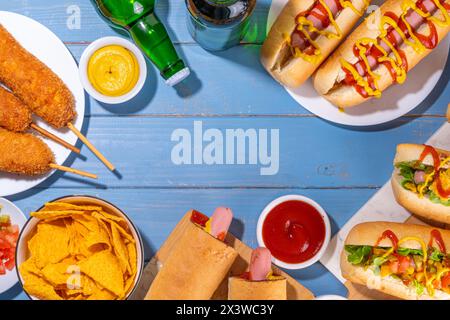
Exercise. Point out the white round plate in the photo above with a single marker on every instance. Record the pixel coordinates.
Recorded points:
(17, 217)
(48, 48)
(395, 102)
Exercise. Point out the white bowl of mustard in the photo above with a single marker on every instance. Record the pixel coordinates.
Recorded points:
(112, 70)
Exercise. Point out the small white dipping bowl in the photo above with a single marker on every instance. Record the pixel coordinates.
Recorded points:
(108, 41)
(326, 221)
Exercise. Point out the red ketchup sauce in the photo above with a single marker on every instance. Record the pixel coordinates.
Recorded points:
(199, 218)
(445, 193)
(293, 231)
(437, 237)
(388, 234)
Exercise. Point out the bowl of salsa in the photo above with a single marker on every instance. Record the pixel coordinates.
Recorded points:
(295, 229)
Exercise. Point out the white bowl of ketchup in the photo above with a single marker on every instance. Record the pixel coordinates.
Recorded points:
(295, 229)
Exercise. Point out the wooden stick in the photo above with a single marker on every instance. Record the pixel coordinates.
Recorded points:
(91, 147)
(51, 136)
(75, 171)
(448, 112)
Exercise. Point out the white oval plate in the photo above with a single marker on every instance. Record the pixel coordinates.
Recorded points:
(395, 102)
(8, 280)
(48, 48)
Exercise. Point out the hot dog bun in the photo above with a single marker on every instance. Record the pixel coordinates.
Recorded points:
(367, 234)
(409, 200)
(328, 76)
(448, 112)
(276, 55)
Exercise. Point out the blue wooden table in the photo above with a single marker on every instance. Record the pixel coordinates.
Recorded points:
(339, 167)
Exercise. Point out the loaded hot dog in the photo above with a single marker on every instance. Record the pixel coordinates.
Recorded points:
(406, 261)
(382, 49)
(198, 262)
(304, 34)
(259, 283)
(421, 181)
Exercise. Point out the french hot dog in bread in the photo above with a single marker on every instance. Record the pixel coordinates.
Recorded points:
(304, 34)
(259, 283)
(403, 260)
(198, 263)
(391, 41)
(421, 181)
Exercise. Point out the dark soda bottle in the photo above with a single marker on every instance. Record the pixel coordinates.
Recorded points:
(147, 31)
(218, 24)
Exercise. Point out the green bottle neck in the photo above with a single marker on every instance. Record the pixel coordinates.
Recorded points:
(151, 36)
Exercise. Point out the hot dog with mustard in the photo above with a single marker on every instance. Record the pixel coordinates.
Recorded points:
(421, 181)
(304, 34)
(404, 260)
(381, 51)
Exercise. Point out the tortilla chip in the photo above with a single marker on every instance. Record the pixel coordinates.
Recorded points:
(120, 250)
(98, 238)
(102, 294)
(62, 206)
(59, 274)
(87, 221)
(128, 284)
(50, 244)
(44, 215)
(122, 231)
(104, 268)
(35, 285)
(132, 257)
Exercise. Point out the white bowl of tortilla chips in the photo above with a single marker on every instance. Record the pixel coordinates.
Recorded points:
(79, 248)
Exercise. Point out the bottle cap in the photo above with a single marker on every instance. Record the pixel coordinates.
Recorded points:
(178, 77)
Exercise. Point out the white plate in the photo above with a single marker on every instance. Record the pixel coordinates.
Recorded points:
(395, 102)
(17, 217)
(46, 46)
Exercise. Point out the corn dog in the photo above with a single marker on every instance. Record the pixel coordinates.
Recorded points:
(14, 115)
(34, 83)
(24, 154)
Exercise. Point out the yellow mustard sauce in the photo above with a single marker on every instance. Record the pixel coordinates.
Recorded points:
(113, 70)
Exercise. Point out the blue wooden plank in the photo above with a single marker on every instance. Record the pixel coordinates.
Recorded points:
(312, 154)
(156, 212)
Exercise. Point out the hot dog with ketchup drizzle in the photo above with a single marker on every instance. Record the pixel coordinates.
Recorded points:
(304, 34)
(407, 31)
(404, 260)
(421, 181)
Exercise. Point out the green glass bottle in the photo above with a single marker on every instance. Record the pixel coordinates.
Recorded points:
(147, 31)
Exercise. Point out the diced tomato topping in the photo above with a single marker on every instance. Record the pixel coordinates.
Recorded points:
(9, 264)
(394, 266)
(199, 218)
(2, 268)
(8, 239)
(445, 282)
(403, 264)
